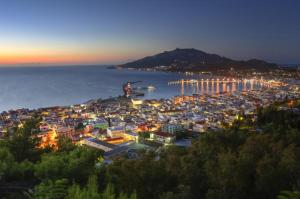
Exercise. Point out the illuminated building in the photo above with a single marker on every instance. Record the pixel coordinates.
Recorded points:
(136, 102)
(162, 137)
(154, 103)
(171, 128)
(131, 136)
(115, 132)
(115, 140)
(98, 144)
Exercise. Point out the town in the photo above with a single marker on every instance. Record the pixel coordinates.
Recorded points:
(125, 124)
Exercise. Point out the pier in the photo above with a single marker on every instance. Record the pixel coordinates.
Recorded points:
(222, 85)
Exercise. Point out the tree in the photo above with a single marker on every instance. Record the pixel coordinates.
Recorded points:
(80, 126)
(51, 189)
(289, 195)
(76, 165)
(145, 135)
(91, 191)
(236, 162)
(182, 134)
(65, 144)
(23, 144)
(6, 163)
(149, 178)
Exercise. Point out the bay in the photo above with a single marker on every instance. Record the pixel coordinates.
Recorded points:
(35, 87)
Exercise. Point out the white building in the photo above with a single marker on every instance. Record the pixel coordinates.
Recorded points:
(116, 131)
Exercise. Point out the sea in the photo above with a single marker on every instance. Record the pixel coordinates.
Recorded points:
(36, 87)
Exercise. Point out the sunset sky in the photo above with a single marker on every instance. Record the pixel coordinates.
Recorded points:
(42, 32)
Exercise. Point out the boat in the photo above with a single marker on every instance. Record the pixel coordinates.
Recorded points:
(138, 94)
(193, 81)
(151, 87)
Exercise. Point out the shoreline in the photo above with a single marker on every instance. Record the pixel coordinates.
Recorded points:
(113, 97)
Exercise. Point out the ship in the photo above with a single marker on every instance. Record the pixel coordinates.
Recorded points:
(130, 91)
(151, 87)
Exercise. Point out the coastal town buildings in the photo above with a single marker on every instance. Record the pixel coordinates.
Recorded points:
(120, 122)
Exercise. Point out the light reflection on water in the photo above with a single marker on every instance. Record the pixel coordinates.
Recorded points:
(32, 87)
(216, 86)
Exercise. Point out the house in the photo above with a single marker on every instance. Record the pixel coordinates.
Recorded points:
(116, 131)
(131, 136)
(171, 128)
(163, 137)
(92, 142)
(44, 127)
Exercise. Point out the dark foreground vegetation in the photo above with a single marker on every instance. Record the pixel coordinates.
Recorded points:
(248, 160)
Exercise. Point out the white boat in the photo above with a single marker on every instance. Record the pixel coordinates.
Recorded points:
(151, 87)
(193, 81)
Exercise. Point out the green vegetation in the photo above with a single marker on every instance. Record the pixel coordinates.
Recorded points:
(182, 135)
(289, 195)
(145, 135)
(80, 126)
(25, 167)
(248, 160)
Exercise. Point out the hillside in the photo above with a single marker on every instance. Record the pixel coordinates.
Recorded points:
(195, 60)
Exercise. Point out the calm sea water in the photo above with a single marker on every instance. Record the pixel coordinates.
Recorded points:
(34, 87)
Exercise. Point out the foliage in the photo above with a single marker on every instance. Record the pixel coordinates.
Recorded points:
(91, 191)
(289, 195)
(237, 162)
(145, 134)
(65, 144)
(80, 126)
(6, 162)
(75, 165)
(247, 160)
(51, 189)
(23, 143)
(182, 134)
(146, 176)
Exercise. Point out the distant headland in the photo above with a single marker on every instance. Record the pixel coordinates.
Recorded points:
(194, 60)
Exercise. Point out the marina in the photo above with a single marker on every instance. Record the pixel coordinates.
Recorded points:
(221, 85)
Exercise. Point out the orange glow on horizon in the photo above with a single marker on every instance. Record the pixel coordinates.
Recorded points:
(59, 59)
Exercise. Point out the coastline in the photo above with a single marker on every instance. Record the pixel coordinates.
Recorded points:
(66, 90)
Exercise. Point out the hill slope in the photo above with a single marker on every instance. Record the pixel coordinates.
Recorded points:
(195, 60)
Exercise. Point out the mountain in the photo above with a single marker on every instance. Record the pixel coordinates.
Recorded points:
(195, 60)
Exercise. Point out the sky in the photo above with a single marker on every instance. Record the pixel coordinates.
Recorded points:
(62, 32)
